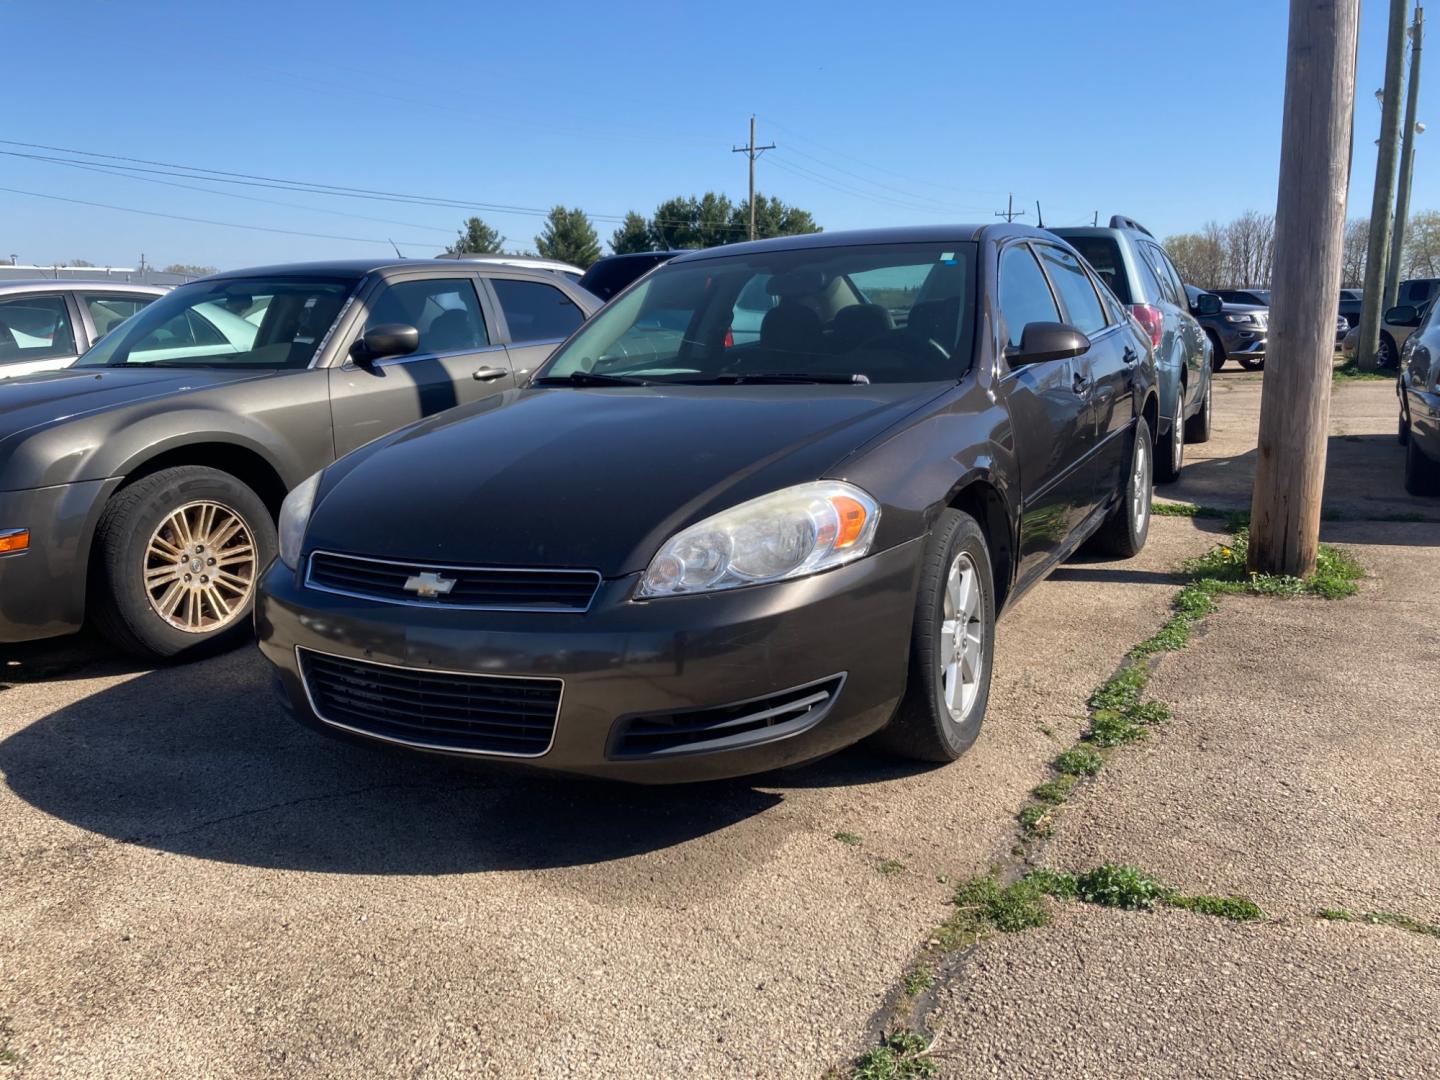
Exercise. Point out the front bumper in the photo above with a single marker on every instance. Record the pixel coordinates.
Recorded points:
(623, 659)
(1248, 342)
(42, 589)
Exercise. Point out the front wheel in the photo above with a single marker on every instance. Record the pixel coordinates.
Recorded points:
(1127, 526)
(178, 557)
(1422, 475)
(1217, 354)
(951, 646)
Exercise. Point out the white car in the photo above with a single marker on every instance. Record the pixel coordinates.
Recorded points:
(45, 324)
(530, 262)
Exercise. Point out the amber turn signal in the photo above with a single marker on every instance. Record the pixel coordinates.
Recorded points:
(852, 520)
(14, 540)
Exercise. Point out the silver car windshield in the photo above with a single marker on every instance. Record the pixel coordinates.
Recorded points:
(230, 322)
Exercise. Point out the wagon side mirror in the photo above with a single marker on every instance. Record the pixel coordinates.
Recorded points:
(1043, 341)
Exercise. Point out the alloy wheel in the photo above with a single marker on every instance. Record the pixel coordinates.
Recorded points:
(962, 638)
(200, 567)
(1140, 486)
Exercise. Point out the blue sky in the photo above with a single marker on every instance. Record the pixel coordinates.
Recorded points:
(927, 112)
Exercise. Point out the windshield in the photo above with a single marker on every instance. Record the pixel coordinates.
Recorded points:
(232, 322)
(879, 313)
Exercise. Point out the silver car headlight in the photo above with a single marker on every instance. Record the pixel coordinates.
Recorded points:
(294, 517)
(787, 534)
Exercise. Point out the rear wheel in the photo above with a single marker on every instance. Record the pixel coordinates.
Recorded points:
(178, 556)
(1170, 454)
(1197, 428)
(951, 646)
(1127, 526)
(1388, 355)
(1217, 354)
(1422, 475)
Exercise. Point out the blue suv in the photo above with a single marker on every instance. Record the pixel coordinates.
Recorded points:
(1131, 261)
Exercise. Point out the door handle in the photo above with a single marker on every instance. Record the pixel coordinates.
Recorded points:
(1131, 355)
(490, 374)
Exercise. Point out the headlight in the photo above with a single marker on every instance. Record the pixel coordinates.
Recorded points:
(294, 516)
(1240, 318)
(787, 534)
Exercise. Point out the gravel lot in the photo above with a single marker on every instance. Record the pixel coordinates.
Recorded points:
(196, 886)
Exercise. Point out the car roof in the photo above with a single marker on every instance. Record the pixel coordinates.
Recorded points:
(22, 285)
(908, 234)
(358, 268)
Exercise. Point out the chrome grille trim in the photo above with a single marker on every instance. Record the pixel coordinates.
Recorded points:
(411, 567)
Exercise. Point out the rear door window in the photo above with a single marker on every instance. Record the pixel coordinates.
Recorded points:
(1103, 253)
(1025, 295)
(108, 311)
(1082, 303)
(535, 311)
(35, 328)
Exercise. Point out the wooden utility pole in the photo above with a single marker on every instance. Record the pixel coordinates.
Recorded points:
(1309, 239)
(1010, 213)
(1382, 204)
(1407, 160)
(752, 151)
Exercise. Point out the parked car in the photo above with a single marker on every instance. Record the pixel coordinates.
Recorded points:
(526, 262)
(1418, 388)
(735, 556)
(1236, 330)
(611, 275)
(1393, 335)
(1251, 294)
(1351, 303)
(139, 487)
(46, 324)
(1131, 261)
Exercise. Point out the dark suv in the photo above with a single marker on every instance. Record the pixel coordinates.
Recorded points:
(1237, 330)
(1131, 261)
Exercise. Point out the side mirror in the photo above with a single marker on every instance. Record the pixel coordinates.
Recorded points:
(1403, 315)
(1207, 303)
(385, 340)
(1043, 341)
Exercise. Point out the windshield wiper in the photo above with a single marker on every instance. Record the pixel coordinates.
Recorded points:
(788, 377)
(589, 378)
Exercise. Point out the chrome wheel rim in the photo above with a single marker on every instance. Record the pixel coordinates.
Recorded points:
(1140, 486)
(200, 567)
(1177, 433)
(962, 638)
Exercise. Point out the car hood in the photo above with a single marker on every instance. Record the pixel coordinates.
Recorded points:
(1228, 309)
(51, 397)
(594, 478)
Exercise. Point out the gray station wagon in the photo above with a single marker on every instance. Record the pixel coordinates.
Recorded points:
(139, 488)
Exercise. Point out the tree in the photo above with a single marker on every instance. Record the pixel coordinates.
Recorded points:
(1250, 248)
(81, 262)
(1352, 253)
(772, 218)
(1199, 256)
(691, 222)
(632, 236)
(1422, 245)
(188, 268)
(569, 237)
(477, 238)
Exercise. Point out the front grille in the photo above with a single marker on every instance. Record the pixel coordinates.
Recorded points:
(490, 714)
(483, 587)
(725, 727)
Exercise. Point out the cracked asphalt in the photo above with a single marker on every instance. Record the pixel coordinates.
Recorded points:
(195, 886)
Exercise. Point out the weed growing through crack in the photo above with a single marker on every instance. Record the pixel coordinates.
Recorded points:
(1381, 918)
(890, 867)
(918, 980)
(1078, 761)
(1335, 914)
(1120, 887)
(1235, 908)
(848, 838)
(1038, 820)
(1053, 883)
(904, 1055)
(1056, 791)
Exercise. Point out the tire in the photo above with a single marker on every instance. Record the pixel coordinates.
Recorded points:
(1170, 453)
(924, 727)
(1422, 474)
(1388, 356)
(1126, 528)
(203, 515)
(1251, 363)
(1217, 354)
(1197, 428)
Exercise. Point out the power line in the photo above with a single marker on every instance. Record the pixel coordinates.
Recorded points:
(939, 205)
(825, 181)
(211, 221)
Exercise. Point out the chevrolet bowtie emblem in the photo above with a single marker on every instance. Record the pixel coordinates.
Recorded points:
(428, 585)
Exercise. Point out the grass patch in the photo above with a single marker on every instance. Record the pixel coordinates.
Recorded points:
(1350, 371)
(1078, 761)
(1223, 570)
(1056, 791)
(1125, 887)
(1037, 820)
(983, 906)
(848, 838)
(1121, 690)
(1109, 727)
(904, 1055)
(918, 980)
(1335, 914)
(1235, 908)
(1401, 922)
(1053, 883)
(890, 867)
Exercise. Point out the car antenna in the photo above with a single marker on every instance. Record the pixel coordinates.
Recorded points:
(396, 247)
(1039, 217)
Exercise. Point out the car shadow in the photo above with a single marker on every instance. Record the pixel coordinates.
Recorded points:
(201, 760)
